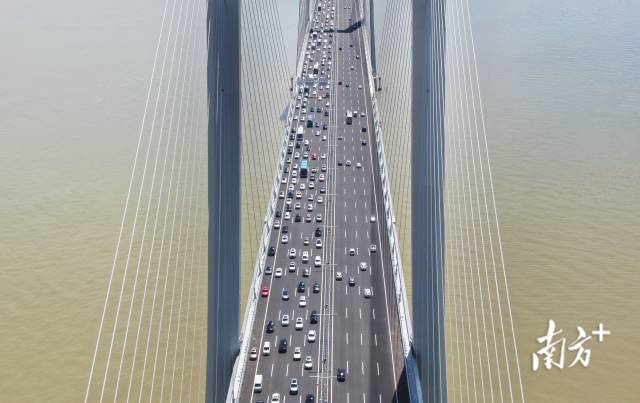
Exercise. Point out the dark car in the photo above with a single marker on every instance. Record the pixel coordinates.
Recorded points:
(324, 126)
(364, 142)
(270, 326)
(310, 398)
(316, 287)
(272, 251)
(298, 218)
(278, 214)
(282, 347)
(301, 286)
(339, 163)
(340, 375)
(314, 317)
(285, 229)
(318, 233)
(268, 270)
(352, 282)
(364, 130)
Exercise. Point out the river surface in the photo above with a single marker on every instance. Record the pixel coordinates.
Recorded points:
(561, 89)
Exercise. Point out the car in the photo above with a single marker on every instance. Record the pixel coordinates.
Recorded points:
(302, 301)
(287, 216)
(309, 207)
(310, 398)
(301, 286)
(359, 86)
(285, 239)
(297, 354)
(307, 218)
(340, 375)
(279, 213)
(364, 130)
(306, 241)
(266, 348)
(339, 276)
(268, 270)
(298, 218)
(292, 253)
(318, 217)
(320, 200)
(275, 398)
(358, 165)
(285, 294)
(278, 272)
(340, 163)
(306, 272)
(314, 317)
(368, 292)
(372, 219)
(316, 287)
(363, 266)
(299, 323)
(276, 224)
(285, 320)
(314, 156)
(270, 326)
(308, 362)
(364, 142)
(281, 195)
(348, 163)
(373, 248)
(319, 243)
(311, 336)
(293, 387)
(265, 291)
(352, 252)
(272, 251)
(305, 256)
(317, 262)
(323, 189)
(253, 354)
(352, 281)
(282, 347)
(318, 232)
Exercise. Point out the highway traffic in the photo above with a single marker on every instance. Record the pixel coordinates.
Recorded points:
(326, 326)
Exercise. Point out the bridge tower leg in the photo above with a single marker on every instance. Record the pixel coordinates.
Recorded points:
(427, 189)
(372, 37)
(304, 14)
(223, 82)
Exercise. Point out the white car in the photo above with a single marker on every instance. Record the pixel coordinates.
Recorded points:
(373, 218)
(363, 266)
(368, 293)
(319, 243)
(292, 267)
(302, 302)
(311, 336)
(323, 156)
(266, 348)
(285, 238)
(306, 241)
(348, 163)
(305, 257)
(373, 248)
(253, 355)
(287, 215)
(339, 275)
(321, 178)
(293, 388)
(352, 252)
(299, 324)
(292, 253)
(320, 200)
(358, 165)
(278, 272)
(297, 354)
(285, 320)
(318, 261)
(276, 224)
(275, 398)
(308, 362)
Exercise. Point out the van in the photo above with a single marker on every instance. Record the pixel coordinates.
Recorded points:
(257, 384)
(266, 349)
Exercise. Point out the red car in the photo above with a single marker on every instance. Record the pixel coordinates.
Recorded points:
(314, 156)
(265, 291)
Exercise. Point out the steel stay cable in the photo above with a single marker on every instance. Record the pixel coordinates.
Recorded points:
(142, 243)
(460, 186)
(493, 199)
(133, 170)
(135, 222)
(480, 225)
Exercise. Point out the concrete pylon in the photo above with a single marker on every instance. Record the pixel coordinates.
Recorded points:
(304, 12)
(427, 190)
(223, 78)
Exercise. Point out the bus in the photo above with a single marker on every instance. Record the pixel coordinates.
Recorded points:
(303, 168)
(349, 117)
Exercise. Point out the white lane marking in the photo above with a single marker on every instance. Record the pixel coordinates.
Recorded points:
(347, 366)
(375, 339)
(362, 367)
(361, 338)
(378, 367)
(347, 336)
(271, 370)
(286, 373)
(373, 312)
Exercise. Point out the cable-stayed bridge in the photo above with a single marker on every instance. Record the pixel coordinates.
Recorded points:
(373, 150)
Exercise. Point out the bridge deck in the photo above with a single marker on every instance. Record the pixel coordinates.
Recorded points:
(360, 335)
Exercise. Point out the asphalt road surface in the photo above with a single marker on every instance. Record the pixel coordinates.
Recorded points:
(343, 199)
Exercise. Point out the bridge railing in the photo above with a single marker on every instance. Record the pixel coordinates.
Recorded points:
(402, 303)
(235, 387)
